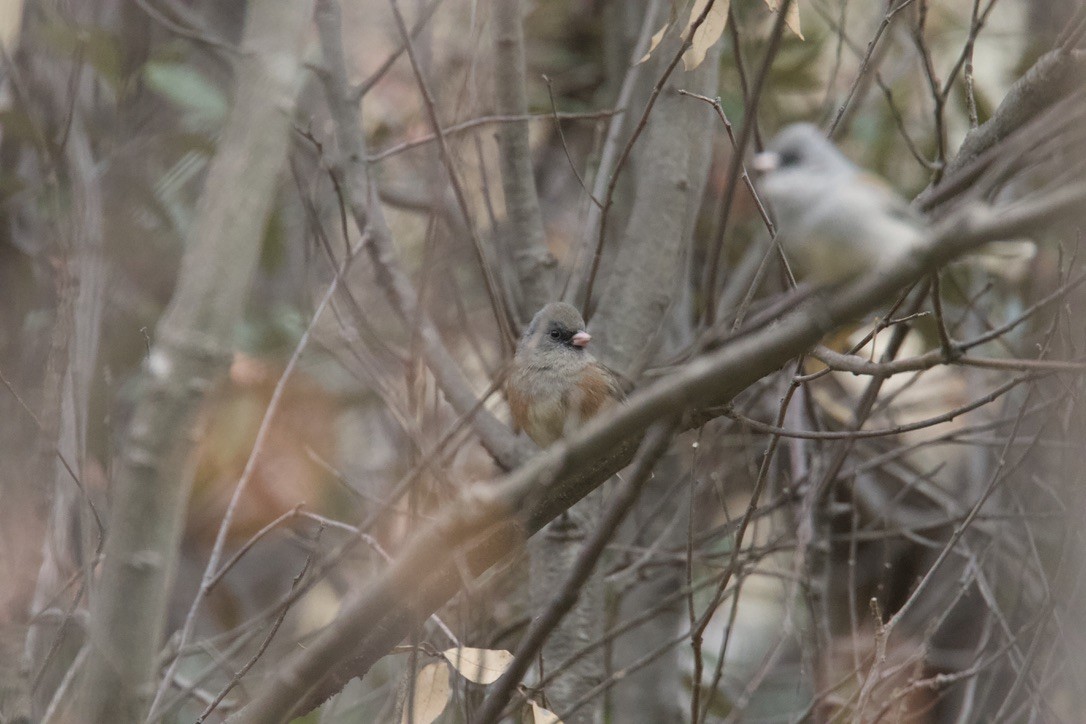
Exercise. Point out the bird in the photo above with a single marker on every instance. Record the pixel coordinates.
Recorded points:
(836, 220)
(555, 384)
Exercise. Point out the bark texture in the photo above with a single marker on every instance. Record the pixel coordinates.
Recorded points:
(524, 236)
(192, 346)
(644, 282)
(651, 273)
(425, 575)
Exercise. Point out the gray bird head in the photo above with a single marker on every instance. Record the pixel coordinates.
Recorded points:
(557, 326)
(801, 147)
(801, 170)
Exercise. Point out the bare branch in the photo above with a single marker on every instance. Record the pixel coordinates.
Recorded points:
(654, 446)
(1046, 83)
(191, 348)
(532, 261)
(365, 208)
(374, 618)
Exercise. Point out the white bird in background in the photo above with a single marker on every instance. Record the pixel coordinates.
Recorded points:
(835, 220)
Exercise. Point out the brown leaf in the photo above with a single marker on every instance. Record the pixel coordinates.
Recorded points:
(656, 38)
(543, 716)
(431, 694)
(483, 666)
(792, 19)
(707, 33)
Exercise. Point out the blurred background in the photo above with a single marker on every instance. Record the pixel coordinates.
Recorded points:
(958, 516)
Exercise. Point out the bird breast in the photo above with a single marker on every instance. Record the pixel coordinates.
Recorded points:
(546, 399)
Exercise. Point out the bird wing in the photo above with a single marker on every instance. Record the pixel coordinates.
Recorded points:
(883, 196)
(597, 388)
(518, 405)
(614, 383)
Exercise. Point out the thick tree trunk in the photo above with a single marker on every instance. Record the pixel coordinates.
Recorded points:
(650, 275)
(192, 346)
(523, 234)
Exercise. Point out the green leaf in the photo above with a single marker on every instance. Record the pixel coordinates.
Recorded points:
(203, 103)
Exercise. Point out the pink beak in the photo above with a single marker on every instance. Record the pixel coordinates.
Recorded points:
(581, 339)
(766, 161)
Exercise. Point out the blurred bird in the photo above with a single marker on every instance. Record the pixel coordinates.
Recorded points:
(556, 384)
(836, 220)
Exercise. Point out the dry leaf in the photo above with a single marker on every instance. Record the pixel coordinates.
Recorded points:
(431, 694)
(483, 666)
(707, 33)
(11, 20)
(792, 19)
(543, 716)
(656, 38)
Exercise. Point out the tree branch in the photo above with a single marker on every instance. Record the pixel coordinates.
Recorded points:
(424, 576)
(1046, 83)
(365, 208)
(192, 346)
(530, 645)
(532, 261)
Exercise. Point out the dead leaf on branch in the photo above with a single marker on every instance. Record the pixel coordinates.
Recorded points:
(656, 38)
(792, 19)
(483, 666)
(543, 716)
(707, 33)
(431, 694)
(710, 30)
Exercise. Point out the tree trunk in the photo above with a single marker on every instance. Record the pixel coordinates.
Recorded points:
(192, 346)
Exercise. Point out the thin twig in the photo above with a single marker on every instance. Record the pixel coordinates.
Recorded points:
(60, 456)
(420, 23)
(368, 215)
(715, 103)
(746, 133)
(498, 303)
(211, 572)
(578, 271)
(883, 25)
(950, 351)
(65, 683)
(468, 125)
(263, 644)
(652, 448)
(623, 157)
(198, 35)
(995, 394)
(565, 147)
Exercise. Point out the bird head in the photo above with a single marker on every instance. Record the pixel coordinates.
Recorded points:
(557, 326)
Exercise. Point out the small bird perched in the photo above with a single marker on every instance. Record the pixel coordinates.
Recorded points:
(556, 384)
(836, 220)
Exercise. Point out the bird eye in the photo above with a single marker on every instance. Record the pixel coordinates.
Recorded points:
(555, 334)
(789, 158)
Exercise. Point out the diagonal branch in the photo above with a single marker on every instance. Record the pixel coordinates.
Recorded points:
(482, 524)
(362, 201)
(541, 627)
(493, 288)
(1047, 82)
(624, 157)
